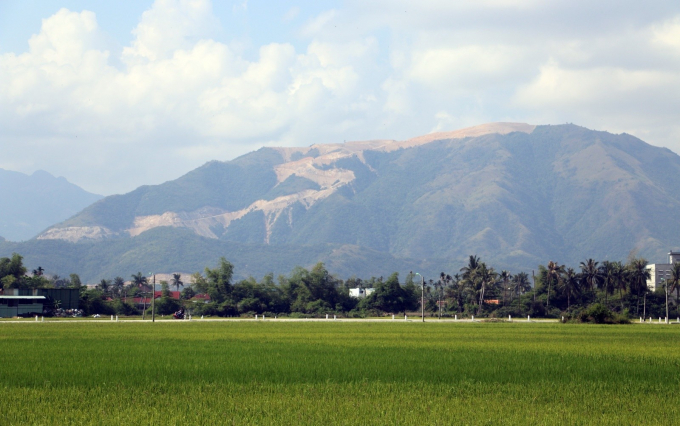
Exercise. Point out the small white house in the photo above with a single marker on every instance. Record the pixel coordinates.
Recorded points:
(360, 293)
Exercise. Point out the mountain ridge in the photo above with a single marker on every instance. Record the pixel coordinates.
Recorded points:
(515, 194)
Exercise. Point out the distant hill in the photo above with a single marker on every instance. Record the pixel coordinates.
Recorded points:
(30, 204)
(515, 194)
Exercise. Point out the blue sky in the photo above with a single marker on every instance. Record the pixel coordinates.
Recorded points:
(88, 89)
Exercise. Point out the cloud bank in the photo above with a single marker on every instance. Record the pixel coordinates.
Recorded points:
(175, 97)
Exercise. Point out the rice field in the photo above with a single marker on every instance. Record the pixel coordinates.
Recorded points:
(327, 373)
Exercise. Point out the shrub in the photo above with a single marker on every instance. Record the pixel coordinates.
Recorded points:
(600, 314)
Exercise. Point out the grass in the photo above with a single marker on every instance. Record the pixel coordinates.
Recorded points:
(337, 373)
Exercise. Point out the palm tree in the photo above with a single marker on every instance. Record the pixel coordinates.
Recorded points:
(469, 271)
(484, 276)
(639, 274)
(520, 284)
(177, 281)
(569, 285)
(118, 284)
(473, 264)
(620, 279)
(553, 275)
(608, 282)
(505, 277)
(444, 281)
(38, 272)
(590, 274)
(139, 280)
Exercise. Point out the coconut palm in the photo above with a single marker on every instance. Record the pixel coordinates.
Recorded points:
(118, 284)
(590, 274)
(484, 277)
(569, 285)
(553, 275)
(520, 283)
(505, 278)
(620, 279)
(139, 280)
(639, 274)
(473, 264)
(608, 274)
(177, 281)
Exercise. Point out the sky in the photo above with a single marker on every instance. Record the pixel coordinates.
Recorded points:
(114, 95)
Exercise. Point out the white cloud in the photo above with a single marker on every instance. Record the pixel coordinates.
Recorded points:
(177, 97)
(170, 25)
(319, 23)
(291, 14)
(667, 34)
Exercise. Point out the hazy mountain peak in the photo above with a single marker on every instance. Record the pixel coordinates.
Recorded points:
(31, 203)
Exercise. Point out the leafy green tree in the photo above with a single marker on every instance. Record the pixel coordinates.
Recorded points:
(412, 297)
(12, 271)
(165, 289)
(389, 296)
(104, 285)
(75, 281)
(187, 293)
(674, 281)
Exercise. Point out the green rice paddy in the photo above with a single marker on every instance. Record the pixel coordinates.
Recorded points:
(327, 373)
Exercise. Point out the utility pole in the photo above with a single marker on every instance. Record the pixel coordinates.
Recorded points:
(422, 297)
(441, 290)
(153, 300)
(665, 288)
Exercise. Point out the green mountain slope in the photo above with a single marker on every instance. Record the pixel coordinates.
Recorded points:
(516, 195)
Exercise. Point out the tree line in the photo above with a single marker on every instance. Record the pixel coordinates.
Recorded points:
(607, 291)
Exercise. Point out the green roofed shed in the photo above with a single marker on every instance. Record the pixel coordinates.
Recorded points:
(14, 306)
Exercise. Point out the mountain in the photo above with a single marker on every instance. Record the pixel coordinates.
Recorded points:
(515, 194)
(29, 204)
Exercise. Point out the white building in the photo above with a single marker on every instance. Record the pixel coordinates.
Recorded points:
(360, 293)
(662, 271)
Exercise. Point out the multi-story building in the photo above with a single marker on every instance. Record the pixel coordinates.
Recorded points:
(661, 271)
